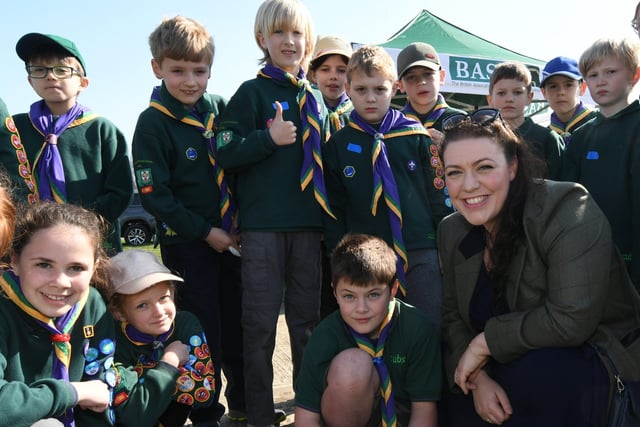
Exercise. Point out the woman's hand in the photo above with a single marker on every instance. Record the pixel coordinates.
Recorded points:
(490, 400)
(475, 357)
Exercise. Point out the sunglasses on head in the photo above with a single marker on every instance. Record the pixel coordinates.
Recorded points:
(483, 116)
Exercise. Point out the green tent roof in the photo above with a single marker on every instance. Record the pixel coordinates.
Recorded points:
(448, 38)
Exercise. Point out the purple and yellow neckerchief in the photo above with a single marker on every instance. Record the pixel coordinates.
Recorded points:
(311, 142)
(140, 339)
(394, 124)
(344, 105)
(434, 115)
(24, 168)
(59, 329)
(49, 171)
(205, 125)
(565, 129)
(376, 351)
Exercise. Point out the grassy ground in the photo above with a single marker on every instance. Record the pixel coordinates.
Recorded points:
(148, 247)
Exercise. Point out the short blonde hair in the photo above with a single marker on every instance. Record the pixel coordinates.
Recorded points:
(274, 15)
(626, 49)
(182, 38)
(369, 59)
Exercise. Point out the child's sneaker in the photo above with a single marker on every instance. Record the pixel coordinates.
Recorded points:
(237, 416)
(279, 416)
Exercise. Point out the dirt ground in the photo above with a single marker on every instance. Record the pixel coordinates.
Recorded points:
(282, 383)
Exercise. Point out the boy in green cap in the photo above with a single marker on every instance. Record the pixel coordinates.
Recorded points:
(70, 154)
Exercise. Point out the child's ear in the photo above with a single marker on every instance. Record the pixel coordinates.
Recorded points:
(13, 258)
(636, 77)
(117, 314)
(157, 71)
(394, 288)
(583, 88)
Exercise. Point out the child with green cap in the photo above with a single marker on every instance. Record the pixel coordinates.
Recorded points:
(71, 154)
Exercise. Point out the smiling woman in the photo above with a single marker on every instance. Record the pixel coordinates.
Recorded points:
(534, 289)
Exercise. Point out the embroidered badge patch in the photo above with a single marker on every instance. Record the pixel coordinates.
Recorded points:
(144, 177)
(349, 171)
(87, 330)
(411, 165)
(224, 138)
(191, 153)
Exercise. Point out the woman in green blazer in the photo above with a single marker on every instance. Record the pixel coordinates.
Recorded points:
(535, 292)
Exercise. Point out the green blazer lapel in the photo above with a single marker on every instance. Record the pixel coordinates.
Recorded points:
(515, 274)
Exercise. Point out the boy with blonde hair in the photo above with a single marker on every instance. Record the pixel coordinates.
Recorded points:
(377, 358)
(510, 91)
(381, 179)
(604, 154)
(68, 153)
(270, 139)
(182, 185)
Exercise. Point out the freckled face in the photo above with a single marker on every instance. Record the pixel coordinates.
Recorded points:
(478, 177)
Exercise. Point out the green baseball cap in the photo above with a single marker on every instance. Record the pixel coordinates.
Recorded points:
(36, 41)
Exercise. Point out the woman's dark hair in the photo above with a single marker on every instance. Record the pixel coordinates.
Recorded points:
(509, 230)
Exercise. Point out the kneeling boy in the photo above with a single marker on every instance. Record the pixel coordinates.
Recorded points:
(374, 359)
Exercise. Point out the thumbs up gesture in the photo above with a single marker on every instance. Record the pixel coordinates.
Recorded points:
(283, 132)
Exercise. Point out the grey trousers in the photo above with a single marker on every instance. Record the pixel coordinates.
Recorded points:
(424, 284)
(277, 267)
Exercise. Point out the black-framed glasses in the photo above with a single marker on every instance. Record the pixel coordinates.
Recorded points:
(482, 116)
(58, 71)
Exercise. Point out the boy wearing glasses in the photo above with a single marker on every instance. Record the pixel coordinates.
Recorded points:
(383, 178)
(68, 153)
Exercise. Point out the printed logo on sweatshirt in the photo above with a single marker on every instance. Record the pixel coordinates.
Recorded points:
(398, 359)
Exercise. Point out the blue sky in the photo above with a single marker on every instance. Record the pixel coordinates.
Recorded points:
(112, 36)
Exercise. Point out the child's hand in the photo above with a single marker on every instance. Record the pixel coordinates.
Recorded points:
(176, 354)
(282, 132)
(220, 240)
(93, 395)
(436, 136)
